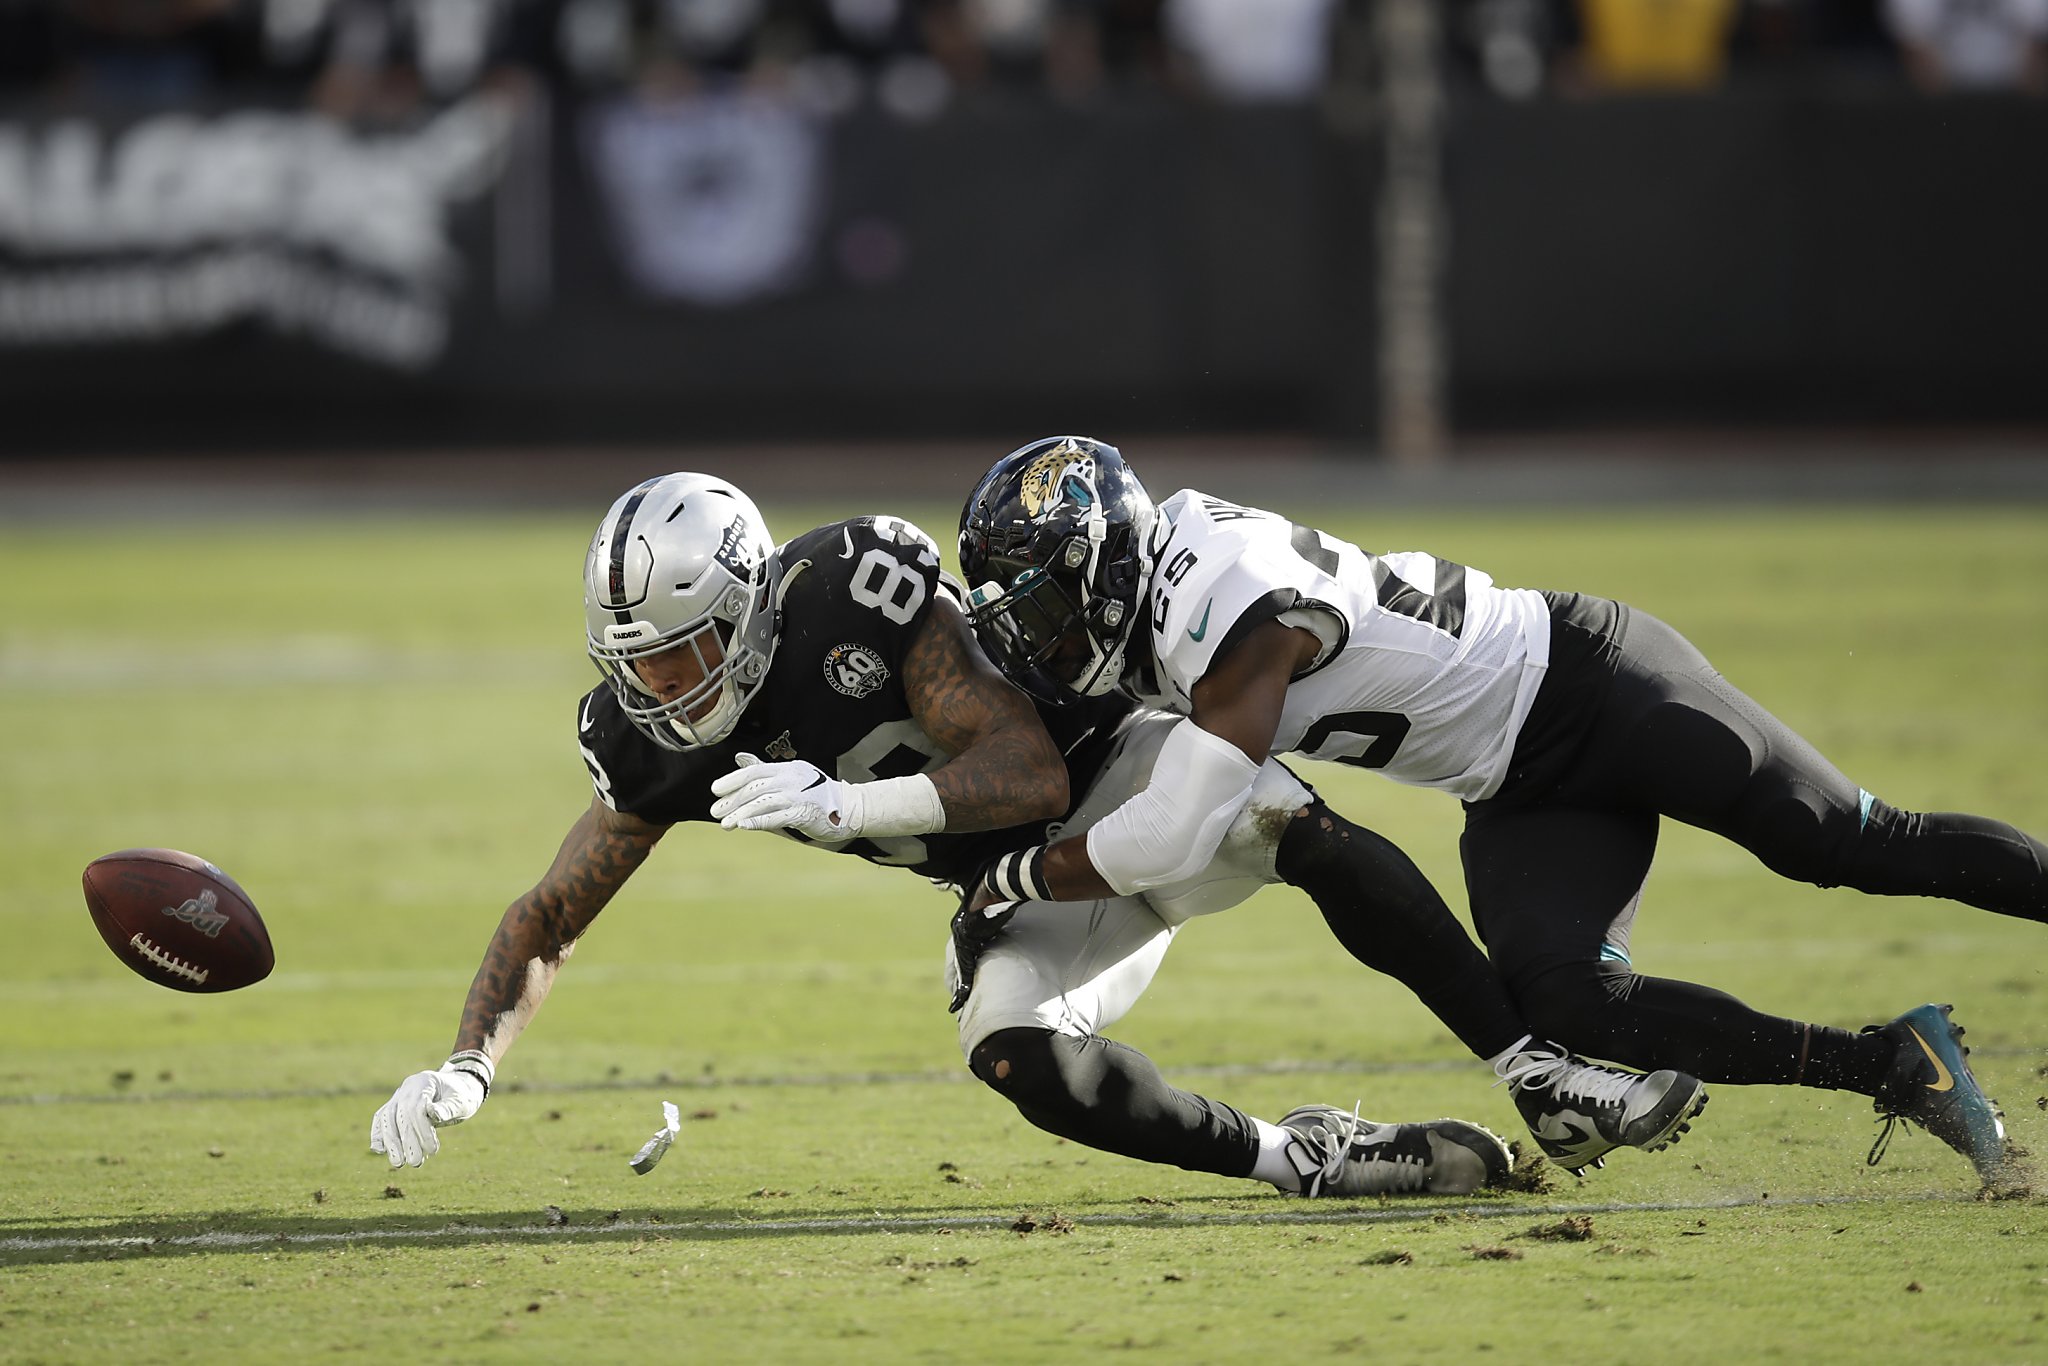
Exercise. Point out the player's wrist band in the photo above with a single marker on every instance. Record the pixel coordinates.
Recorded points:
(1020, 876)
(895, 806)
(476, 1063)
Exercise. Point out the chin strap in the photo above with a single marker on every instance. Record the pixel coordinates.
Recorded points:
(789, 578)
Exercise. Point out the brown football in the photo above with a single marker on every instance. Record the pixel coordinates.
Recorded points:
(177, 920)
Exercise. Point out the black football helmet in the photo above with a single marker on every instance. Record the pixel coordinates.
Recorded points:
(1055, 544)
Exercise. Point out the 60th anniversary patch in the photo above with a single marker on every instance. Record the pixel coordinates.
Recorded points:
(855, 670)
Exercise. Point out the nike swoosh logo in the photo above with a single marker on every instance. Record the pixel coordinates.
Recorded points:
(1195, 633)
(1568, 1138)
(847, 532)
(586, 715)
(1945, 1081)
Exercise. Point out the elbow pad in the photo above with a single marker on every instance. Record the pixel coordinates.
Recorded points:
(1171, 830)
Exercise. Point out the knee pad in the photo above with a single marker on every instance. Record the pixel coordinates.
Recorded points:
(1020, 1065)
(1304, 856)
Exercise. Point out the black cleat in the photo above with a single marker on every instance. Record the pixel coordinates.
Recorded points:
(1578, 1111)
(1340, 1155)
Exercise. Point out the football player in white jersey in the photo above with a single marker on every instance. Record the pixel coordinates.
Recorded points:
(843, 657)
(1567, 725)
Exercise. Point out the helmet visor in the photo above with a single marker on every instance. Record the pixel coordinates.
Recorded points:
(1035, 628)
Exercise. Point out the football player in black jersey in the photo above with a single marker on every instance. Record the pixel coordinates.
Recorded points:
(830, 688)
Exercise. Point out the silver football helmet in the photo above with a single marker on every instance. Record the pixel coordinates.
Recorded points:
(679, 563)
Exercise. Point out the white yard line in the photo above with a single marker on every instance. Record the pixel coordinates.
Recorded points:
(883, 1223)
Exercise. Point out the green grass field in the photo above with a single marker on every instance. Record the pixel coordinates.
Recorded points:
(369, 723)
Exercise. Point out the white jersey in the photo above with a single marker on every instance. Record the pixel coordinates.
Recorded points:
(1427, 670)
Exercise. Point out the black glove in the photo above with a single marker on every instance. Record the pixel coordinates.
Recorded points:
(973, 931)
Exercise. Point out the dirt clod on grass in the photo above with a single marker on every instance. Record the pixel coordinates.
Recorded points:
(1576, 1229)
(1053, 1222)
(1530, 1175)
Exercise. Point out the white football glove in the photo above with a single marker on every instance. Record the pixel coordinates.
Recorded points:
(795, 795)
(798, 796)
(403, 1127)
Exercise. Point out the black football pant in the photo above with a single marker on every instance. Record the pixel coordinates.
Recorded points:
(1385, 913)
(1633, 724)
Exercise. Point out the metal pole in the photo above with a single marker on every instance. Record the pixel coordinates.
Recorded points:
(1414, 428)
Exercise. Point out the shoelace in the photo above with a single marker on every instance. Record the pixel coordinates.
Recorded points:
(1409, 1174)
(1884, 1135)
(1334, 1151)
(1335, 1148)
(1535, 1070)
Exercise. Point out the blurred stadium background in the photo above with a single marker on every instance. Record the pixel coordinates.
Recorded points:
(493, 248)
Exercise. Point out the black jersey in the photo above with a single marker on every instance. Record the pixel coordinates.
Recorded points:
(852, 598)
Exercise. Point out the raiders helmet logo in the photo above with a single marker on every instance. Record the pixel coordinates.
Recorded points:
(1061, 473)
(854, 669)
(733, 552)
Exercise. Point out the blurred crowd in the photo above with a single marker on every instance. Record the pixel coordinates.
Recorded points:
(914, 57)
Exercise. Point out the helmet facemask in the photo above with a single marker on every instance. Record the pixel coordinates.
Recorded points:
(684, 563)
(1057, 534)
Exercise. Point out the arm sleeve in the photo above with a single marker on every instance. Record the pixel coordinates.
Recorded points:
(1171, 830)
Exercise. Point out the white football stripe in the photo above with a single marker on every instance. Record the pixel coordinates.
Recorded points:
(641, 1228)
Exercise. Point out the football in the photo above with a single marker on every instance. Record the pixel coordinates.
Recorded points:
(177, 920)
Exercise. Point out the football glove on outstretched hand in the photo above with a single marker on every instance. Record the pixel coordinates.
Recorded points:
(403, 1128)
(794, 795)
(974, 929)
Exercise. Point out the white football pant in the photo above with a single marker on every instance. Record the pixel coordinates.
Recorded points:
(1076, 967)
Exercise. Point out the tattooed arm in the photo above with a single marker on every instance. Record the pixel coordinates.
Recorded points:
(1005, 769)
(539, 931)
(537, 934)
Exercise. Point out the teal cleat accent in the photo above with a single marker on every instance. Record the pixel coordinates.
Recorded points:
(1930, 1085)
